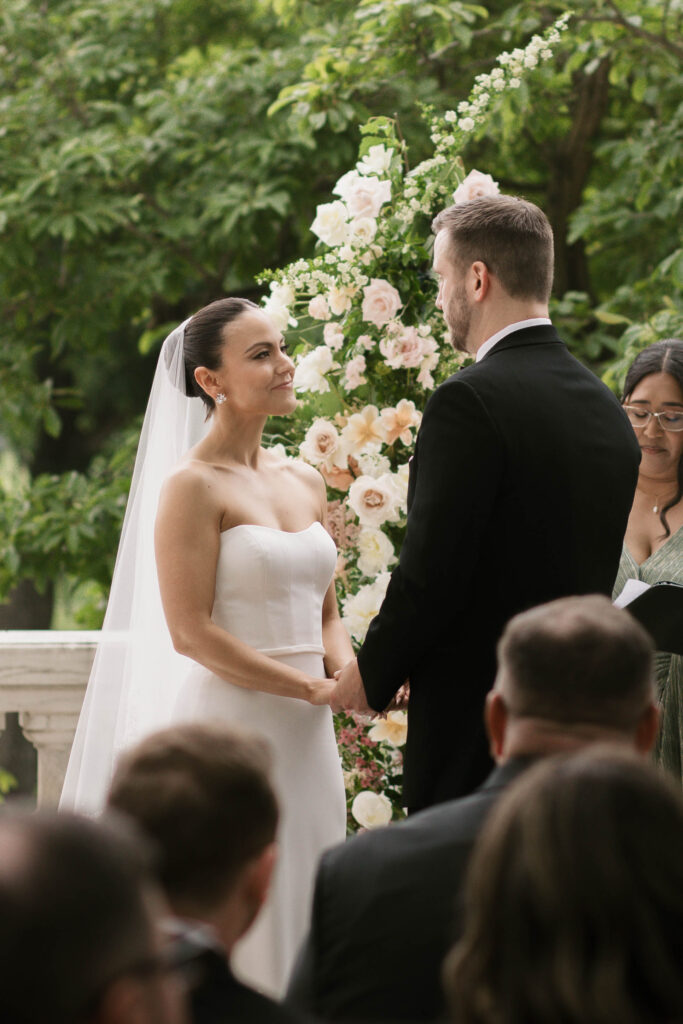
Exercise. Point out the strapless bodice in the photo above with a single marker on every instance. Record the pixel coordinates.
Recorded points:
(270, 586)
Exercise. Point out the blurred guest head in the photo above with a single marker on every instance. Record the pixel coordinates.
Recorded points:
(202, 794)
(80, 937)
(574, 899)
(653, 399)
(572, 671)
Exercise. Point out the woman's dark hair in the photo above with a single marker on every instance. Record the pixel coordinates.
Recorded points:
(574, 899)
(661, 357)
(204, 340)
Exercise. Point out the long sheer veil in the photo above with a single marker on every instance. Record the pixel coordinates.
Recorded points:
(136, 672)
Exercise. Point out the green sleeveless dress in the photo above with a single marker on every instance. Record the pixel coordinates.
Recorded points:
(665, 564)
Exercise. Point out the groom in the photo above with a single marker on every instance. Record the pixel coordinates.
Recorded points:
(522, 480)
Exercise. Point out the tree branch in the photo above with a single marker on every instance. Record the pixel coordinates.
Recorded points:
(640, 33)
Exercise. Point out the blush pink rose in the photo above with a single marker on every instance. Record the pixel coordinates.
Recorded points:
(476, 184)
(402, 350)
(381, 302)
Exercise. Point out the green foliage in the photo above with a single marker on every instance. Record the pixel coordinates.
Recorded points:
(7, 784)
(141, 175)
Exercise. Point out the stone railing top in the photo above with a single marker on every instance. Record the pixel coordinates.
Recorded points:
(41, 637)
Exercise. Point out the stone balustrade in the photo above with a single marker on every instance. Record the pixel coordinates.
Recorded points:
(43, 676)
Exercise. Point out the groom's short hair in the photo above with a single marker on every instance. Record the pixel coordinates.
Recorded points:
(512, 236)
(577, 660)
(202, 793)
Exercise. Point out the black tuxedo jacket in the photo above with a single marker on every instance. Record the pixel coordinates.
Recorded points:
(215, 994)
(385, 913)
(521, 484)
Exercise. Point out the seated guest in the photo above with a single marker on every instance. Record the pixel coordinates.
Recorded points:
(80, 939)
(574, 899)
(570, 673)
(203, 795)
(653, 546)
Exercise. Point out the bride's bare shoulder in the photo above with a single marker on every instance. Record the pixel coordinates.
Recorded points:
(192, 484)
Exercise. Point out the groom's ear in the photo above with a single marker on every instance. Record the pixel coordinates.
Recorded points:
(495, 719)
(480, 280)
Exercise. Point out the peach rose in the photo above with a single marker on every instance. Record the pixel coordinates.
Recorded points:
(399, 421)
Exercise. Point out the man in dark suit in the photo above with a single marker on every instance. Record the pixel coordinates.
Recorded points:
(202, 794)
(573, 672)
(520, 487)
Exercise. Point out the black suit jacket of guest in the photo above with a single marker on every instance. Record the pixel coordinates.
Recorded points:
(385, 913)
(217, 997)
(520, 488)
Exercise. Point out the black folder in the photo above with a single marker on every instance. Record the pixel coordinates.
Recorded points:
(660, 611)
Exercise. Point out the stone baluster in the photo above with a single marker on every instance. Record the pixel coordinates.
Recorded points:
(43, 676)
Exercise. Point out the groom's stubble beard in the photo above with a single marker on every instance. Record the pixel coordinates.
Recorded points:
(458, 319)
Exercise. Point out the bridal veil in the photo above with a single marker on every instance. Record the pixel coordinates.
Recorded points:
(136, 672)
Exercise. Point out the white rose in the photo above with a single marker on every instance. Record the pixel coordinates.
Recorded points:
(278, 313)
(372, 464)
(371, 810)
(310, 370)
(282, 293)
(331, 223)
(333, 335)
(318, 308)
(363, 196)
(376, 552)
(339, 299)
(323, 445)
(359, 609)
(475, 184)
(400, 482)
(377, 160)
(374, 500)
(392, 729)
(363, 229)
(381, 302)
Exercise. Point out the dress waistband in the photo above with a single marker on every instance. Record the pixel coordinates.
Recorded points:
(272, 652)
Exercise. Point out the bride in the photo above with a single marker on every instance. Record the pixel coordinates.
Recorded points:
(243, 571)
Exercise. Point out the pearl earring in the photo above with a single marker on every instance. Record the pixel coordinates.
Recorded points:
(220, 398)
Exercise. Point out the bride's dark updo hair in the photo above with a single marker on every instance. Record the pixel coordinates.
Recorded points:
(204, 339)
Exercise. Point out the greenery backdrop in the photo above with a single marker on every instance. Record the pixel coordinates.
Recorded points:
(155, 155)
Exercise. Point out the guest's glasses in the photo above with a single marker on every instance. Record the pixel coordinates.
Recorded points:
(671, 421)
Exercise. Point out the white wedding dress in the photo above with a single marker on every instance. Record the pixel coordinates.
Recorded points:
(270, 587)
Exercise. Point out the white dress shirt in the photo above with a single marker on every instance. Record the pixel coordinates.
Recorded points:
(499, 335)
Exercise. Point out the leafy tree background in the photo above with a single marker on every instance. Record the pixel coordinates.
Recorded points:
(157, 155)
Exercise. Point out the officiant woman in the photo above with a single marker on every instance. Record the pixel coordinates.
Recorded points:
(653, 546)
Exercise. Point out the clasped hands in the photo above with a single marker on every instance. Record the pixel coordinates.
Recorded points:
(349, 692)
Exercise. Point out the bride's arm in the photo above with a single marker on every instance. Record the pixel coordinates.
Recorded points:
(187, 543)
(336, 641)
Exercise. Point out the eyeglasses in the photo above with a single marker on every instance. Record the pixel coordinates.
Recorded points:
(670, 421)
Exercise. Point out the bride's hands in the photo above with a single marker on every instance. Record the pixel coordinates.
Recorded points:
(320, 691)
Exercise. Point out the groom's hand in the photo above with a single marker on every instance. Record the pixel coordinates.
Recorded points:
(349, 693)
